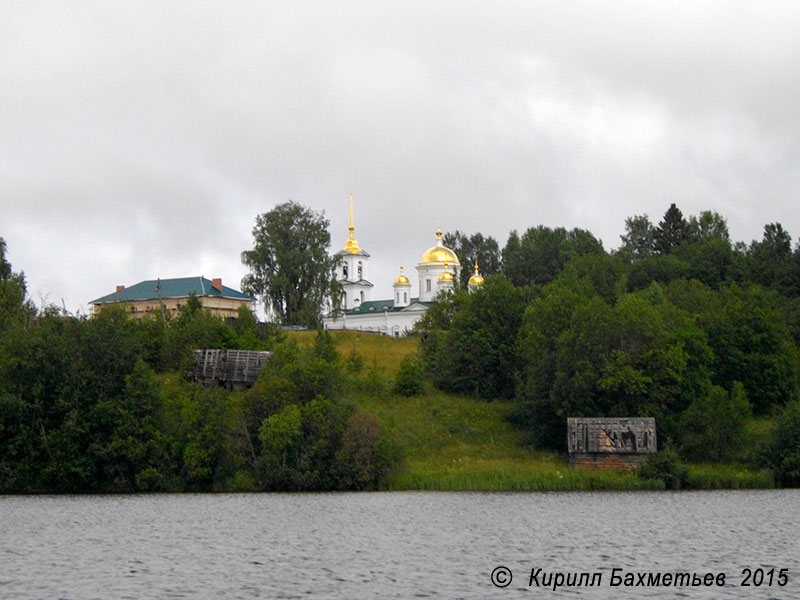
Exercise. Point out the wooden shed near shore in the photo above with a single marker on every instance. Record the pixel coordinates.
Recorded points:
(610, 443)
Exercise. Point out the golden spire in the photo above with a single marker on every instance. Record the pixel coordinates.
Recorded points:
(351, 245)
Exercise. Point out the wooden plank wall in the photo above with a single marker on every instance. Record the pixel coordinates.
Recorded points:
(232, 368)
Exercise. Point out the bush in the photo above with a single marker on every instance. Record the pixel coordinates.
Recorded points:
(375, 382)
(355, 362)
(665, 466)
(410, 380)
(713, 426)
(366, 455)
(783, 453)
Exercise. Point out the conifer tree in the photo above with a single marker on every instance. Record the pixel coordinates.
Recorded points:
(671, 231)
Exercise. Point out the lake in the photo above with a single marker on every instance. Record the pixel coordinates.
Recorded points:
(396, 544)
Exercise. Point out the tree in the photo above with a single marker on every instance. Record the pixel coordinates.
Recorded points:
(367, 454)
(474, 248)
(606, 273)
(541, 253)
(709, 225)
(410, 379)
(752, 344)
(194, 328)
(783, 453)
(672, 231)
(290, 268)
(713, 425)
(656, 269)
(434, 329)
(582, 357)
(15, 308)
(5, 266)
(710, 260)
(481, 342)
(770, 260)
(638, 239)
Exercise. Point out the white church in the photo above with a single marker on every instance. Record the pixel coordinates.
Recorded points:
(438, 270)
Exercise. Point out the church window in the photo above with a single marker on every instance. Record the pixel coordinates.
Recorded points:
(344, 270)
(405, 297)
(360, 271)
(427, 285)
(362, 296)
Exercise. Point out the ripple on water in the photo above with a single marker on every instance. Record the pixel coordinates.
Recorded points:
(382, 545)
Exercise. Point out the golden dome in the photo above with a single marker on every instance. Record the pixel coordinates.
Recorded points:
(476, 279)
(402, 279)
(439, 253)
(446, 275)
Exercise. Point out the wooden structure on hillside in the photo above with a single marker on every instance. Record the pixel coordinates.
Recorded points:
(610, 443)
(229, 368)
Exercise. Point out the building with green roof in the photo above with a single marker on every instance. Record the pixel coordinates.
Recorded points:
(168, 295)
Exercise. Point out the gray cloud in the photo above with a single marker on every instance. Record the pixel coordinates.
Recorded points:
(140, 140)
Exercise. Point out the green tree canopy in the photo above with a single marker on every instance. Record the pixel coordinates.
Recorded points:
(771, 262)
(782, 454)
(468, 340)
(581, 356)
(290, 268)
(709, 225)
(713, 425)
(638, 239)
(752, 344)
(540, 254)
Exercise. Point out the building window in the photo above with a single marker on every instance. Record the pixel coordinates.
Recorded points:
(405, 297)
(344, 271)
(362, 296)
(360, 270)
(427, 285)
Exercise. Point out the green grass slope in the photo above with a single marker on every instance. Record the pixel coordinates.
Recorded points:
(453, 442)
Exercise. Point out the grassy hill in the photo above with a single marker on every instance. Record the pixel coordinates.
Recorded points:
(454, 442)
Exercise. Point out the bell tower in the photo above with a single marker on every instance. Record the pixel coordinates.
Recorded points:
(352, 270)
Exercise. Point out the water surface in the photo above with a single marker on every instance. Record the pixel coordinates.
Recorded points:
(389, 545)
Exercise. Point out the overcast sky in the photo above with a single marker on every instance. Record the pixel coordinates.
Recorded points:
(141, 139)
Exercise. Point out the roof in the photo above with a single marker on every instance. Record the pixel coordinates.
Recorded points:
(378, 306)
(181, 287)
(362, 282)
(359, 252)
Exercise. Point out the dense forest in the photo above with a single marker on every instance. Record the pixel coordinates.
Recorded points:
(679, 323)
(102, 404)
